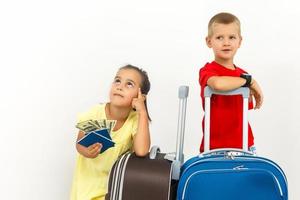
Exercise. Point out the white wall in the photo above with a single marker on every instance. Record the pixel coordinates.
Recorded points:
(58, 58)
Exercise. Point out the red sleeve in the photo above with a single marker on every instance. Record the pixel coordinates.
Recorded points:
(204, 74)
(242, 71)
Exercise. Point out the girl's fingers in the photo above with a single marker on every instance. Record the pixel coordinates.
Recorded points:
(140, 93)
(94, 149)
(133, 103)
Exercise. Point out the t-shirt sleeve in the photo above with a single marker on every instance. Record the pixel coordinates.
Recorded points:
(204, 74)
(90, 114)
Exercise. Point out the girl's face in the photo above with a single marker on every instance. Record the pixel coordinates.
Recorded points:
(125, 87)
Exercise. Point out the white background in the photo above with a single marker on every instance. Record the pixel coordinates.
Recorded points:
(58, 58)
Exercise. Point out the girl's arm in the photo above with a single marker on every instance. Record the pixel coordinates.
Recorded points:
(89, 152)
(141, 140)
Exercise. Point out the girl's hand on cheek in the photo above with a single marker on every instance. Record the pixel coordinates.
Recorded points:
(139, 103)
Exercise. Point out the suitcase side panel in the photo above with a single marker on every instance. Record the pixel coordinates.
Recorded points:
(247, 184)
(147, 179)
(220, 162)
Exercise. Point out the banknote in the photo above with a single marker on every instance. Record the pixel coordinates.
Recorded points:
(92, 125)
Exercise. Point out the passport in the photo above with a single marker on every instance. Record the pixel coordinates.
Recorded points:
(101, 136)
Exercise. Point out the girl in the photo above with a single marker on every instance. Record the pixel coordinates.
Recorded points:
(128, 106)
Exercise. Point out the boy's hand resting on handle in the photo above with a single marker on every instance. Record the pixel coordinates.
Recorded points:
(138, 103)
(256, 92)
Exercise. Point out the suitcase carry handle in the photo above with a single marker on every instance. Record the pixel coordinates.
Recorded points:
(208, 92)
(227, 152)
(153, 152)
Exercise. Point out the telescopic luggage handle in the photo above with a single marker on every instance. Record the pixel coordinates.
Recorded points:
(183, 93)
(176, 158)
(208, 92)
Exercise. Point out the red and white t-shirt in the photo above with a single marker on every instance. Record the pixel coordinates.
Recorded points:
(226, 122)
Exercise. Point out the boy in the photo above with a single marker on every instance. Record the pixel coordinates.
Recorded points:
(224, 37)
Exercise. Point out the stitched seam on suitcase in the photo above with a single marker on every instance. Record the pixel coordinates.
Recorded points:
(244, 158)
(114, 180)
(117, 177)
(118, 185)
(122, 176)
(170, 180)
(246, 170)
(250, 158)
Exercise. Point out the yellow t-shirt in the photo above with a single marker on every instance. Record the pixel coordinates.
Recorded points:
(90, 180)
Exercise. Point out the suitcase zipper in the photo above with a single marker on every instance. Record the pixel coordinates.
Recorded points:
(243, 158)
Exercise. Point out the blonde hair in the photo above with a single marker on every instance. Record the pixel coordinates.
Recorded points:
(223, 18)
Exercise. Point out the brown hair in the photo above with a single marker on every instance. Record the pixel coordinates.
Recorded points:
(223, 18)
(145, 84)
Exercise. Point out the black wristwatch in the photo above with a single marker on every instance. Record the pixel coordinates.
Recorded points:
(248, 79)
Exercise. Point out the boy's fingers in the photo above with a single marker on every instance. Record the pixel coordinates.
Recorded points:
(258, 103)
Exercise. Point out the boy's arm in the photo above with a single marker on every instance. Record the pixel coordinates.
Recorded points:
(89, 152)
(225, 83)
(257, 93)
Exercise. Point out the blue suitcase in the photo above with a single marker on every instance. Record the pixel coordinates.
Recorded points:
(230, 174)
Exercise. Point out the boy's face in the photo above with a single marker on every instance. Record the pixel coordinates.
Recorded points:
(125, 87)
(225, 40)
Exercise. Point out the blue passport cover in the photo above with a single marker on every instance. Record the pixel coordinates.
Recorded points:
(103, 132)
(97, 136)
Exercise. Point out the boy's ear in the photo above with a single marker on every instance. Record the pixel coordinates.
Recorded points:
(241, 38)
(208, 41)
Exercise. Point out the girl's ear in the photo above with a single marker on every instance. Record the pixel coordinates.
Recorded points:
(208, 41)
